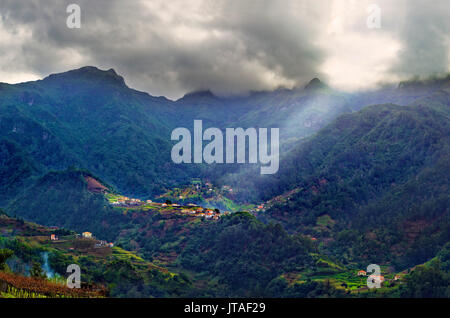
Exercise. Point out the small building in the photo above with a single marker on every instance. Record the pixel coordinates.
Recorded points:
(377, 278)
(164, 204)
(149, 201)
(397, 277)
(208, 215)
(87, 234)
(111, 245)
(362, 273)
(53, 237)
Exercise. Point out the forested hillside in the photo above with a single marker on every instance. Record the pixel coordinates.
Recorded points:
(378, 175)
(359, 182)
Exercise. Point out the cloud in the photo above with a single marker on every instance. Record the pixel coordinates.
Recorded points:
(425, 39)
(228, 46)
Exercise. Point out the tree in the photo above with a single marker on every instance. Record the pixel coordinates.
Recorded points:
(427, 282)
(36, 271)
(4, 255)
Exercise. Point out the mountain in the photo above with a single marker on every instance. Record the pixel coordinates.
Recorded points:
(364, 178)
(315, 84)
(380, 172)
(89, 118)
(63, 199)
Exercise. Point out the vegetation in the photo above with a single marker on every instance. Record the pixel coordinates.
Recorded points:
(357, 185)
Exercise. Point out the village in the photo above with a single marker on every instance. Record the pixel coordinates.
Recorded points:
(87, 236)
(189, 209)
(377, 279)
(205, 193)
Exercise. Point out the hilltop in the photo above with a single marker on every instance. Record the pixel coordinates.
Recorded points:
(107, 270)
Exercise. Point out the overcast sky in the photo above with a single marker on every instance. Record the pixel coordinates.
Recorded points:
(173, 47)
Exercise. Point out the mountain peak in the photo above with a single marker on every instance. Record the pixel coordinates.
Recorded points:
(315, 83)
(89, 73)
(202, 94)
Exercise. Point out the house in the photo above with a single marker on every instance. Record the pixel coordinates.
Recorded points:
(149, 201)
(164, 204)
(53, 237)
(377, 278)
(111, 245)
(397, 277)
(87, 234)
(362, 273)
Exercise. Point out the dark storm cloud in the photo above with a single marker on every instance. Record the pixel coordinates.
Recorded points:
(226, 46)
(424, 35)
(172, 47)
